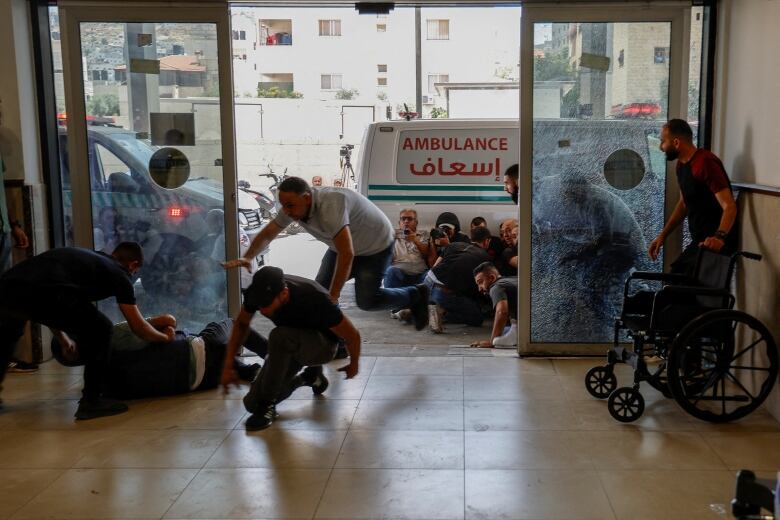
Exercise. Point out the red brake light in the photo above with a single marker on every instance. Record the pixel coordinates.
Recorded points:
(176, 212)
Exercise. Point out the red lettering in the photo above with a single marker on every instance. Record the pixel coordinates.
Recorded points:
(446, 144)
(481, 143)
(504, 146)
(492, 143)
(434, 143)
(408, 144)
(421, 143)
(469, 144)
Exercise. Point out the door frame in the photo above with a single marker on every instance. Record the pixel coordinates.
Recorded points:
(678, 15)
(72, 14)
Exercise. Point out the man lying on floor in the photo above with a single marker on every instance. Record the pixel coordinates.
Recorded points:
(139, 369)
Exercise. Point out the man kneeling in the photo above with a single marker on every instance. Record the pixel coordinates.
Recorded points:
(503, 293)
(308, 328)
(138, 368)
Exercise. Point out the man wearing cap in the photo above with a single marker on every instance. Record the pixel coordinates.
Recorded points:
(360, 245)
(308, 327)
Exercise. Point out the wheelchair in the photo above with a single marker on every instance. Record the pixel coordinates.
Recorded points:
(689, 343)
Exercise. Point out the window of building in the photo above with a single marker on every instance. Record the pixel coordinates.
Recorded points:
(330, 81)
(436, 78)
(438, 29)
(239, 35)
(381, 82)
(660, 54)
(381, 27)
(381, 68)
(330, 27)
(275, 31)
(621, 58)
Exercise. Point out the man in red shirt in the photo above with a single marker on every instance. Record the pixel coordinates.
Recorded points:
(705, 198)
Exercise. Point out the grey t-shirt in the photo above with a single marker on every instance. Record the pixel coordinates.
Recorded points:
(505, 289)
(334, 208)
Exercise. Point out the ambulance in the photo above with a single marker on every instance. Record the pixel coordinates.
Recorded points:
(458, 165)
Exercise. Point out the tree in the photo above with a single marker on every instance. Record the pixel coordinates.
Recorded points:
(347, 93)
(553, 67)
(439, 113)
(276, 92)
(104, 105)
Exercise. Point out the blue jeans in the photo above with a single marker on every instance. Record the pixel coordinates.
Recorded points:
(460, 309)
(368, 272)
(395, 277)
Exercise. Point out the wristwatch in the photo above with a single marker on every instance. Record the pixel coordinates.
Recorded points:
(721, 235)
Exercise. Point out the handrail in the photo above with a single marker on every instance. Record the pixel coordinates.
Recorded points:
(756, 188)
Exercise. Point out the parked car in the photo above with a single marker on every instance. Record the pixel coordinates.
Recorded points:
(178, 228)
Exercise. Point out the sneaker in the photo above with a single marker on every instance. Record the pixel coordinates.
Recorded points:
(435, 318)
(508, 340)
(248, 372)
(404, 315)
(261, 420)
(22, 367)
(100, 407)
(419, 307)
(313, 377)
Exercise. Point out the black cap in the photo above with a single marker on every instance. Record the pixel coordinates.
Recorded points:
(267, 283)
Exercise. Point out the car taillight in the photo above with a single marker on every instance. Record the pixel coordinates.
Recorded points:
(176, 212)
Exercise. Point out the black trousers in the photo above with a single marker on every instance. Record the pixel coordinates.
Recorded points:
(20, 303)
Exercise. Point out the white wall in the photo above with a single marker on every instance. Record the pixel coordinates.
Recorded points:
(747, 111)
(746, 136)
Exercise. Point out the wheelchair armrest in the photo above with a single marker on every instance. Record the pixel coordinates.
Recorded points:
(652, 276)
(696, 291)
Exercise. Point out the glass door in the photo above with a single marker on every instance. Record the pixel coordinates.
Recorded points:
(598, 89)
(150, 149)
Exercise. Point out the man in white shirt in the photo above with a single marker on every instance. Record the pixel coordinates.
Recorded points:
(409, 253)
(360, 245)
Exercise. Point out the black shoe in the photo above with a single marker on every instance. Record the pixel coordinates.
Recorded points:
(248, 372)
(262, 419)
(100, 407)
(341, 351)
(420, 307)
(313, 377)
(22, 367)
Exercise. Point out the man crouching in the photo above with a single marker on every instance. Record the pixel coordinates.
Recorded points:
(308, 328)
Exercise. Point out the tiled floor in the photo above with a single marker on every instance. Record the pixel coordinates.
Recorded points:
(411, 437)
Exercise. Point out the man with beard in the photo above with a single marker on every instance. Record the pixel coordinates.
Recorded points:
(360, 242)
(705, 198)
(511, 179)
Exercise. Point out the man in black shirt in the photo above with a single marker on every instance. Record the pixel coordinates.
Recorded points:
(308, 327)
(705, 198)
(454, 294)
(57, 289)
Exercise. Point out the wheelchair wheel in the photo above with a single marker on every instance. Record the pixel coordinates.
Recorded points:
(626, 404)
(600, 382)
(722, 365)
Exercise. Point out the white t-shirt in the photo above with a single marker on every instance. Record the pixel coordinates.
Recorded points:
(334, 208)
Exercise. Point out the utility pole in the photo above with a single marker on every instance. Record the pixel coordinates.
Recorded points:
(418, 60)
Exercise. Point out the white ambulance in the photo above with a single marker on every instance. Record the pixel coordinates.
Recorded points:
(458, 165)
(439, 165)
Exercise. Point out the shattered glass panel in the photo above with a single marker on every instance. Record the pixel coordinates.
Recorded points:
(597, 90)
